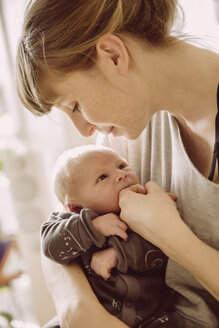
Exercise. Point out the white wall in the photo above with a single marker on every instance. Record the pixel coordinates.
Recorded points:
(53, 133)
(42, 139)
(202, 21)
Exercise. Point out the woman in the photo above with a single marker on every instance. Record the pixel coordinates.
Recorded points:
(111, 66)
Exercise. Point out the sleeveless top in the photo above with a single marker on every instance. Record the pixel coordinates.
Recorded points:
(159, 155)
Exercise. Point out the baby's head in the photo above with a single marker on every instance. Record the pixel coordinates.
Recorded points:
(91, 177)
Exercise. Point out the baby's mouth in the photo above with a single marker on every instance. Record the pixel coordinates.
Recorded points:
(126, 186)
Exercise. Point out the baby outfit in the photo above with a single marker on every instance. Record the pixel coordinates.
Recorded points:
(136, 291)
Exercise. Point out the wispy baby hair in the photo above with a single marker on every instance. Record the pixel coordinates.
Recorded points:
(66, 170)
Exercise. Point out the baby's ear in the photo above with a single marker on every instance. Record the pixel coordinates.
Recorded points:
(74, 206)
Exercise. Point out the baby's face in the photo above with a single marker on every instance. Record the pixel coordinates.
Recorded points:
(102, 175)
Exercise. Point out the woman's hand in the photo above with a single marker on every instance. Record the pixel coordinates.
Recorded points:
(153, 215)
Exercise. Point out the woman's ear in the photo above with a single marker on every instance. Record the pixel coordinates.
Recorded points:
(112, 53)
(74, 206)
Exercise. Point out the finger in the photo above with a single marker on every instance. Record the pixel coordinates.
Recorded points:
(104, 271)
(122, 234)
(94, 266)
(117, 231)
(122, 225)
(153, 187)
(112, 216)
(105, 274)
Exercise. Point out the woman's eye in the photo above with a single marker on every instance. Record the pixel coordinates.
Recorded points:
(75, 108)
(102, 177)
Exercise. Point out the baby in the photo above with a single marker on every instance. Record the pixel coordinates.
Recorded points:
(125, 271)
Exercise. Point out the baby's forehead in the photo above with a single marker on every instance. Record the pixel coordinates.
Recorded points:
(103, 155)
(96, 161)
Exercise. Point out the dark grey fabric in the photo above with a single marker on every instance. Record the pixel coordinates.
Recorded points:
(136, 291)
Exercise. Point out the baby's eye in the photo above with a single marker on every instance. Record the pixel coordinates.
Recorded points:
(102, 177)
(122, 166)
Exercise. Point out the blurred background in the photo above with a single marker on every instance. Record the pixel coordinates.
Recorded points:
(28, 149)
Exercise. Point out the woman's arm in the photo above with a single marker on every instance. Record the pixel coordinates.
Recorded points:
(155, 217)
(76, 304)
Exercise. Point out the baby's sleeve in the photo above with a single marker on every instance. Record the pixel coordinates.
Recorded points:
(66, 236)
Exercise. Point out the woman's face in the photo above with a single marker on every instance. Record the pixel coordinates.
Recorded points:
(107, 101)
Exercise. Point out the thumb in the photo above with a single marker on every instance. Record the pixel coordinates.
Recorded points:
(153, 187)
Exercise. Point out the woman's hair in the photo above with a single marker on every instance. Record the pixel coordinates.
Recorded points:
(60, 36)
(66, 170)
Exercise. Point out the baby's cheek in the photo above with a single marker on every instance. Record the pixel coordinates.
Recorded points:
(113, 203)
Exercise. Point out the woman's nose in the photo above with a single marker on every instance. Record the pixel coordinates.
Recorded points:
(120, 175)
(85, 128)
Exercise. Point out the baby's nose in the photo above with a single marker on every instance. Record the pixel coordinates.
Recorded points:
(121, 175)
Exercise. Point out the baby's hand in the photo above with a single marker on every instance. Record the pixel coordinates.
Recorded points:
(109, 225)
(103, 261)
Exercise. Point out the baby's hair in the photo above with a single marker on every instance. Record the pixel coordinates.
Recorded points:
(66, 170)
(60, 36)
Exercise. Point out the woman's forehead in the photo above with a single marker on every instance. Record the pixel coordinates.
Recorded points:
(54, 87)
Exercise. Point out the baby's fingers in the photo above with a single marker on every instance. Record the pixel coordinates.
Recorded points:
(105, 274)
(122, 225)
(121, 233)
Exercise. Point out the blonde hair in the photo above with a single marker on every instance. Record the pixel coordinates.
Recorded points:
(60, 36)
(66, 169)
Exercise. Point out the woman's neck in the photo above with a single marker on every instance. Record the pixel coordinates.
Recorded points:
(192, 92)
(188, 78)
(184, 82)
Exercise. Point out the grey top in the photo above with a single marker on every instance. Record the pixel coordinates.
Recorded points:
(159, 155)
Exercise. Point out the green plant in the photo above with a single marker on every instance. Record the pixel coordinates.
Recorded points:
(8, 317)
